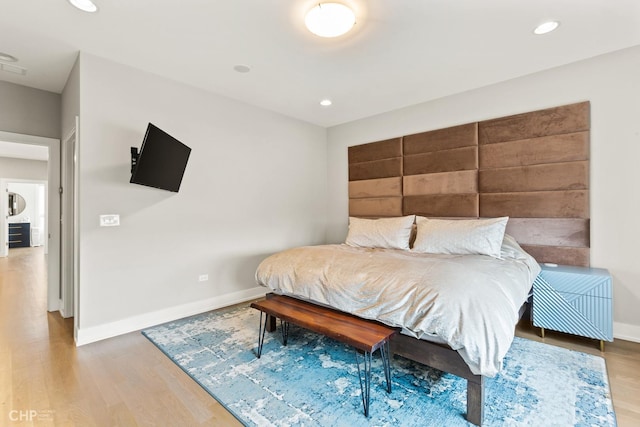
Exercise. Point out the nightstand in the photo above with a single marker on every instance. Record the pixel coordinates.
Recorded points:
(575, 300)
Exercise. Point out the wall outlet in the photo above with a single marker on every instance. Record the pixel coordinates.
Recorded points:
(203, 278)
(112, 220)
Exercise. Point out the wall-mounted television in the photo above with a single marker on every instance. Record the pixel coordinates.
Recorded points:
(161, 161)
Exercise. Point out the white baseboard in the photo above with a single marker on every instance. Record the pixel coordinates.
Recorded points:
(627, 332)
(53, 305)
(621, 331)
(135, 323)
(64, 314)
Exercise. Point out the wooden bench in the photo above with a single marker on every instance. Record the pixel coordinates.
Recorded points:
(364, 335)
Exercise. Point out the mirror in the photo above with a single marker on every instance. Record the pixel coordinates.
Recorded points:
(16, 204)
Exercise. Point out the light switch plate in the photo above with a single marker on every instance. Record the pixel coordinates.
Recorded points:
(112, 220)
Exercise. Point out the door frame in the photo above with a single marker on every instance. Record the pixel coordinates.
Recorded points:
(69, 258)
(4, 218)
(53, 220)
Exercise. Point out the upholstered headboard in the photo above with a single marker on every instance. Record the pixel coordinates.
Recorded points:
(441, 172)
(375, 179)
(532, 167)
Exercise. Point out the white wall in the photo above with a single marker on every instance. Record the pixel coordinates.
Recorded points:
(29, 194)
(255, 184)
(612, 83)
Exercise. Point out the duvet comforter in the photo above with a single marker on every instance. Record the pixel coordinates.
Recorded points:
(469, 302)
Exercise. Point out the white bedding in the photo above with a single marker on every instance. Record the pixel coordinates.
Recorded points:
(469, 302)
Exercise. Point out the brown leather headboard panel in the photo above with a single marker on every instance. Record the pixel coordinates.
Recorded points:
(532, 167)
(375, 179)
(440, 172)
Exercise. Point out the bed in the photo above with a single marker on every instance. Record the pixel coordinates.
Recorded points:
(524, 175)
(462, 293)
(469, 302)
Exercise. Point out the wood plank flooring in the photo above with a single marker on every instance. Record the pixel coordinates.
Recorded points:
(126, 381)
(123, 381)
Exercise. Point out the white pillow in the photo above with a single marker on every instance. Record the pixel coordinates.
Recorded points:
(386, 233)
(460, 236)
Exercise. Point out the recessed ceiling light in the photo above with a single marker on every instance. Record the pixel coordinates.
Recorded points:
(326, 102)
(7, 58)
(330, 19)
(242, 68)
(546, 27)
(85, 5)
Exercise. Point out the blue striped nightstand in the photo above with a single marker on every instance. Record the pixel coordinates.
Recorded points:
(575, 300)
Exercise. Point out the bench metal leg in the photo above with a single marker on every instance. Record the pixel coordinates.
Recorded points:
(384, 352)
(284, 327)
(261, 330)
(365, 384)
(264, 327)
(366, 387)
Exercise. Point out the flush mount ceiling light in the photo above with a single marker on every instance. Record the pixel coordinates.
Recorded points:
(85, 5)
(326, 102)
(7, 58)
(330, 19)
(546, 27)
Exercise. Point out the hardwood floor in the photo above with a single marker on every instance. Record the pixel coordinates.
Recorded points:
(126, 381)
(123, 381)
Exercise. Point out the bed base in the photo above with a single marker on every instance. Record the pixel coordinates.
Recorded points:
(445, 359)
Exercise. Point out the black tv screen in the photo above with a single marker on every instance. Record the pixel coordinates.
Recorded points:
(161, 162)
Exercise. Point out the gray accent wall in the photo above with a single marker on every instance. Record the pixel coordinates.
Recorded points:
(23, 169)
(29, 111)
(70, 101)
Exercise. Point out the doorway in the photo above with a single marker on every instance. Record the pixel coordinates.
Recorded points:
(52, 200)
(27, 213)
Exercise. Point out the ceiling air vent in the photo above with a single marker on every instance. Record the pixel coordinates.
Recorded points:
(13, 69)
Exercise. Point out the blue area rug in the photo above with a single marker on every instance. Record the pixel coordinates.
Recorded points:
(313, 381)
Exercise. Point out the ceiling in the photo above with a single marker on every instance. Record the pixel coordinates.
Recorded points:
(400, 53)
